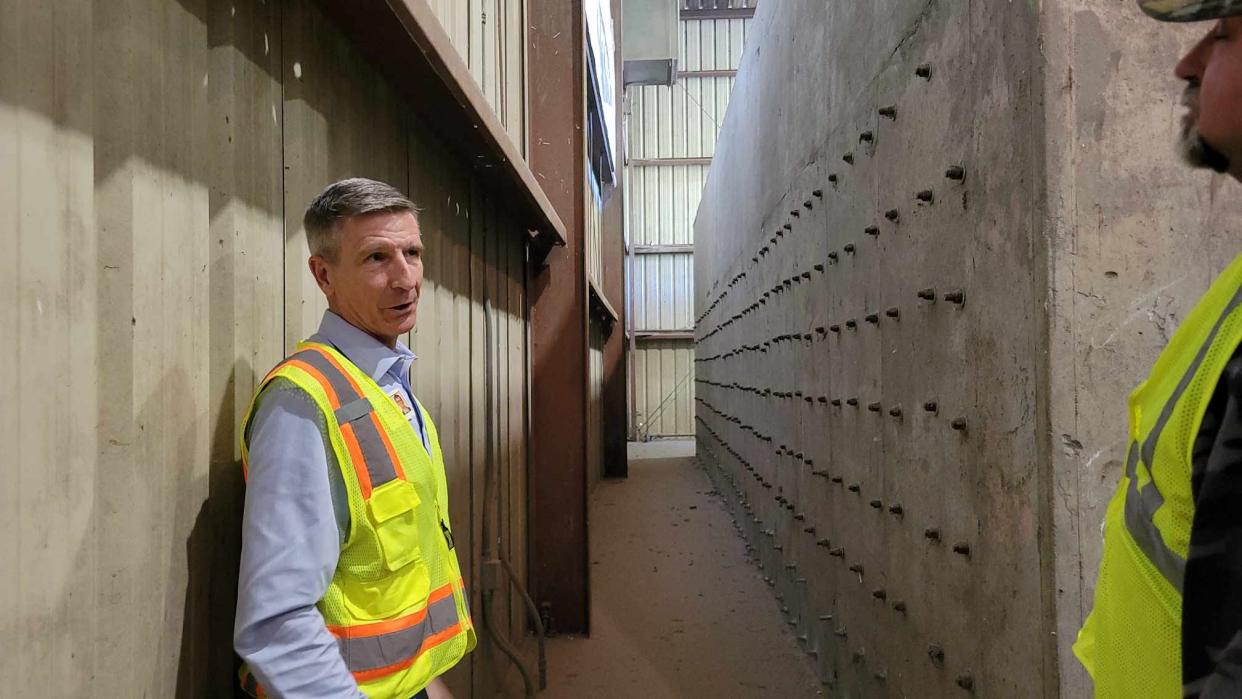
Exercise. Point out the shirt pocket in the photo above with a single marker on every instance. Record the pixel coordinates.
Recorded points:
(394, 509)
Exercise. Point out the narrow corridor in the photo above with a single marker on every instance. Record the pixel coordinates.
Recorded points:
(677, 610)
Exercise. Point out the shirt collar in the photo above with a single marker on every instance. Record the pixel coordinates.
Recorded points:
(367, 353)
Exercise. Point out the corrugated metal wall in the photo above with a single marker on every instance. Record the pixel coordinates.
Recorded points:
(671, 139)
(595, 407)
(718, 4)
(665, 284)
(490, 36)
(664, 380)
(157, 270)
(594, 216)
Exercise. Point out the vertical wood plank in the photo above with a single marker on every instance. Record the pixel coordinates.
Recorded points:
(47, 184)
(151, 203)
(246, 280)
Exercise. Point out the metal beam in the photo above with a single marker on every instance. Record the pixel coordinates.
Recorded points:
(653, 162)
(601, 305)
(559, 323)
(706, 74)
(630, 346)
(663, 334)
(721, 13)
(661, 249)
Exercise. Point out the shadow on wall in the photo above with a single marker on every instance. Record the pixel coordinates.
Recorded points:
(207, 666)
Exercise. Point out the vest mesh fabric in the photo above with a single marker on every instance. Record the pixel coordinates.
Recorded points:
(1131, 643)
(391, 561)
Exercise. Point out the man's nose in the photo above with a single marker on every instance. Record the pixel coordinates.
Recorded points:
(404, 274)
(1190, 68)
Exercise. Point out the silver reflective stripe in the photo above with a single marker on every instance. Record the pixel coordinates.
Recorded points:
(1141, 506)
(375, 652)
(340, 384)
(379, 464)
(353, 411)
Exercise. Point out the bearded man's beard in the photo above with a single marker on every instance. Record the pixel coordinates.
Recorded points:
(1196, 151)
(1199, 153)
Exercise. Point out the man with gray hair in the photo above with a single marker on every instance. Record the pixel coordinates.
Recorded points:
(349, 583)
(1167, 618)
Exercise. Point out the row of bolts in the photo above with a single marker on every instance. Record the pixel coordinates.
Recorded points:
(956, 297)
(896, 411)
(955, 172)
(935, 652)
(783, 450)
(926, 196)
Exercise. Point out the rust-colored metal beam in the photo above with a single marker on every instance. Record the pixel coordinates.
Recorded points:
(612, 243)
(559, 320)
(599, 300)
(631, 350)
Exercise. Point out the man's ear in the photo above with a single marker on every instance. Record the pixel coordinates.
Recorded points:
(321, 270)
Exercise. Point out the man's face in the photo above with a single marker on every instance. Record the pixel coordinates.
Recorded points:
(377, 275)
(1212, 128)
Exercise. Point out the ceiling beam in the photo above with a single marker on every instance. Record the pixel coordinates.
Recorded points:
(706, 74)
(651, 335)
(651, 162)
(661, 249)
(719, 13)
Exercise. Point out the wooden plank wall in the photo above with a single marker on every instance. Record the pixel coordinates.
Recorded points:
(490, 37)
(155, 160)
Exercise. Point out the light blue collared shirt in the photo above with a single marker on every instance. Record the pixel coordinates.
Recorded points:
(296, 518)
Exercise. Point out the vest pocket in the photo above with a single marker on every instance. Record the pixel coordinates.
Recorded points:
(393, 508)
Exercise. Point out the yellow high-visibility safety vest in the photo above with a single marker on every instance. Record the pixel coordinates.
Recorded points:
(396, 605)
(1131, 642)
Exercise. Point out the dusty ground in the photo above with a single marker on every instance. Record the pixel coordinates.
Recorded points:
(676, 609)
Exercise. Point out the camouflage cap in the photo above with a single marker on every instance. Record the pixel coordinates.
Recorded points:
(1190, 10)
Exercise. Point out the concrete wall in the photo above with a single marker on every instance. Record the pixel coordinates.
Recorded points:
(920, 548)
(1134, 239)
(155, 158)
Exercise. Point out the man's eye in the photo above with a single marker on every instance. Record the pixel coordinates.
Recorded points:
(376, 257)
(414, 252)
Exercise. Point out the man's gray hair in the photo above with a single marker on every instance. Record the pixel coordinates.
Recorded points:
(356, 196)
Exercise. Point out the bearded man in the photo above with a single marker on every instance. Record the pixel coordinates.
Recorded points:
(1167, 619)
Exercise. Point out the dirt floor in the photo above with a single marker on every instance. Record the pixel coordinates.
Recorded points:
(677, 611)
